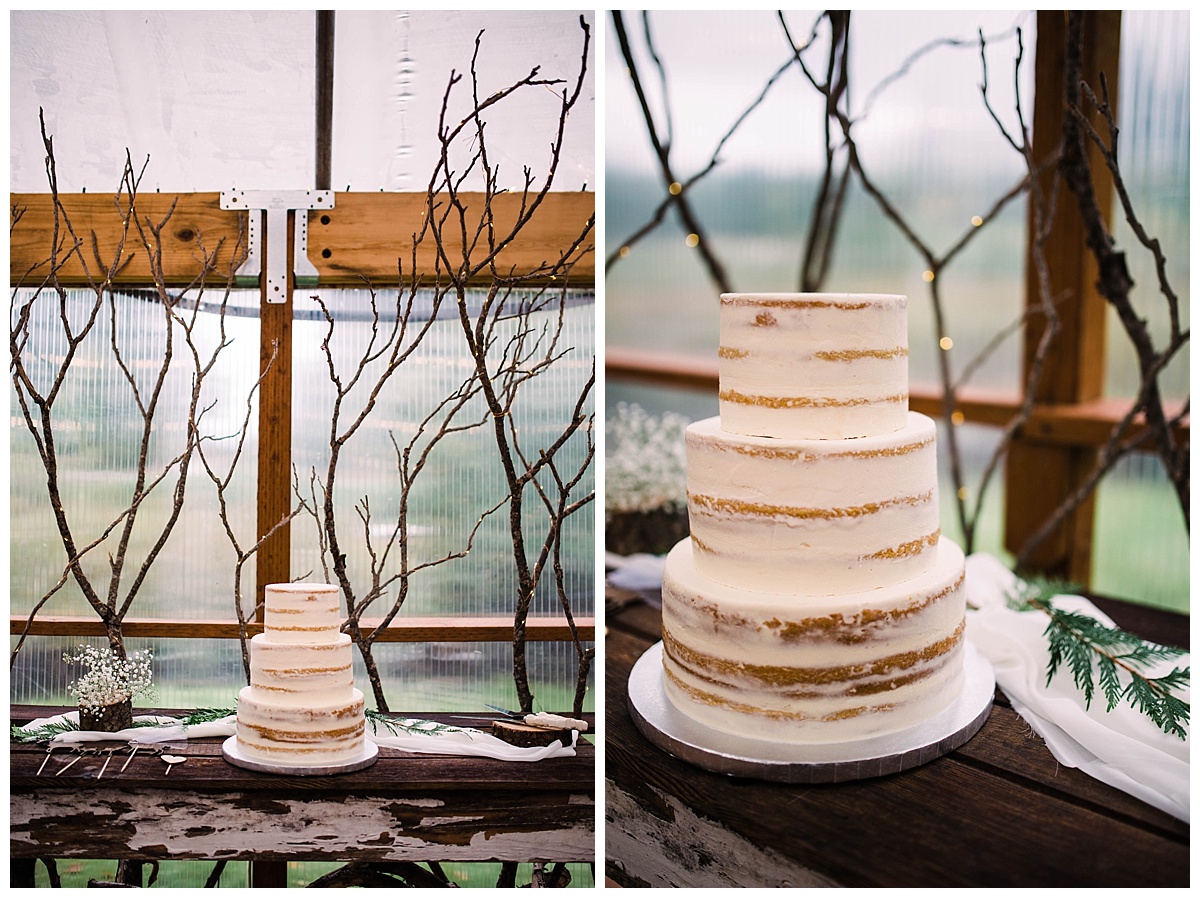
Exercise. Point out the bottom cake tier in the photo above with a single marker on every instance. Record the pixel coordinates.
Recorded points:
(326, 733)
(813, 669)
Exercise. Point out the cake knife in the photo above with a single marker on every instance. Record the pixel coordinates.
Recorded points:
(542, 720)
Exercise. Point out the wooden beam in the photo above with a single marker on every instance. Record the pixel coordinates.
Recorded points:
(372, 234)
(364, 235)
(196, 221)
(402, 629)
(1081, 424)
(1041, 477)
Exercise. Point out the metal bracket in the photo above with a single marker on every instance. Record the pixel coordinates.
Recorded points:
(277, 204)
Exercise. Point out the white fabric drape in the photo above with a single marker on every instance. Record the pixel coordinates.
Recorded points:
(1120, 747)
(438, 740)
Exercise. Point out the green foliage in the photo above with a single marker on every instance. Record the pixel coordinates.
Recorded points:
(1112, 660)
(408, 726)
(43, 733)
(48, 731)
(207, 715)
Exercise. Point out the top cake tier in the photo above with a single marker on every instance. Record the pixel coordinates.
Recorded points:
(302, 613)
(813, 365)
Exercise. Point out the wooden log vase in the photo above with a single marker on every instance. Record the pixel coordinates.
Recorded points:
(108, 719)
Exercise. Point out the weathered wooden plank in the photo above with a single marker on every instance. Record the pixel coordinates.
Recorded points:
(402, 629)
(161, 823)
(1014, 750)
(677, 848)
(364, 235)
(404, 807)
(946, 823)
(960, 820)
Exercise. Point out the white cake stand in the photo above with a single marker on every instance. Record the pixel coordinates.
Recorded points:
(233, 754)
(689, 740)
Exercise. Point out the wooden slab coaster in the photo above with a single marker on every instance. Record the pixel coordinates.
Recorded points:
(525, 736)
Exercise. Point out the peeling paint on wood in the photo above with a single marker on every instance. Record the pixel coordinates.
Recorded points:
(406, 807)
(680, 849)
(58, 824)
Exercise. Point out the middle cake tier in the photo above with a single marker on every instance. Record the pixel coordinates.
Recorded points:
(299, 674)
(813, 517)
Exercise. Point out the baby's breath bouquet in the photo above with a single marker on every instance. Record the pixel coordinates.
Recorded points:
(645, 480)
(105, 691)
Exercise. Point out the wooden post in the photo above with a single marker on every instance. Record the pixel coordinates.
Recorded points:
(273, 563)
(1040, 476)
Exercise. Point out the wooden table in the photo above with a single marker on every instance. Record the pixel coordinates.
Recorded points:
(1000, 811)
(405, 807)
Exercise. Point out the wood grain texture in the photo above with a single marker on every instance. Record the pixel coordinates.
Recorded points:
(371, 235)
(998, 811)
(196, 225)
(287, 825)
(365, 235)
(676, 848)
(274, 484)
(404, 807)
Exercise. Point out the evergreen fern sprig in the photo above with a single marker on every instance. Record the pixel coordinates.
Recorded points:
(44, 733)
(48, 731)
(409, 726)
(207, 715)
(1096, 655)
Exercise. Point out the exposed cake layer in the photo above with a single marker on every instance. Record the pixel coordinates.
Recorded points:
(302, 612)
(812, 517)
(319, 733)
(782, 668)
(813, 365)
(293, 674)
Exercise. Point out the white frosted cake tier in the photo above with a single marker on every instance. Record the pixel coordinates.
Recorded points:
(288, 673)
(785, 668)
(301, 708)
(813, 365)
(325, 731)
(812, 517)
(302, 612)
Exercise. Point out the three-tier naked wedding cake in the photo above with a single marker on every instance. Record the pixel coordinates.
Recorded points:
(301, 708)
(815, 600)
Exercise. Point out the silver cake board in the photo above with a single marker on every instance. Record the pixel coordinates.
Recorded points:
(233, 754)
(676, 733)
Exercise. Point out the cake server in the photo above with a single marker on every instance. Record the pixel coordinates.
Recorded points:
(543, 720)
